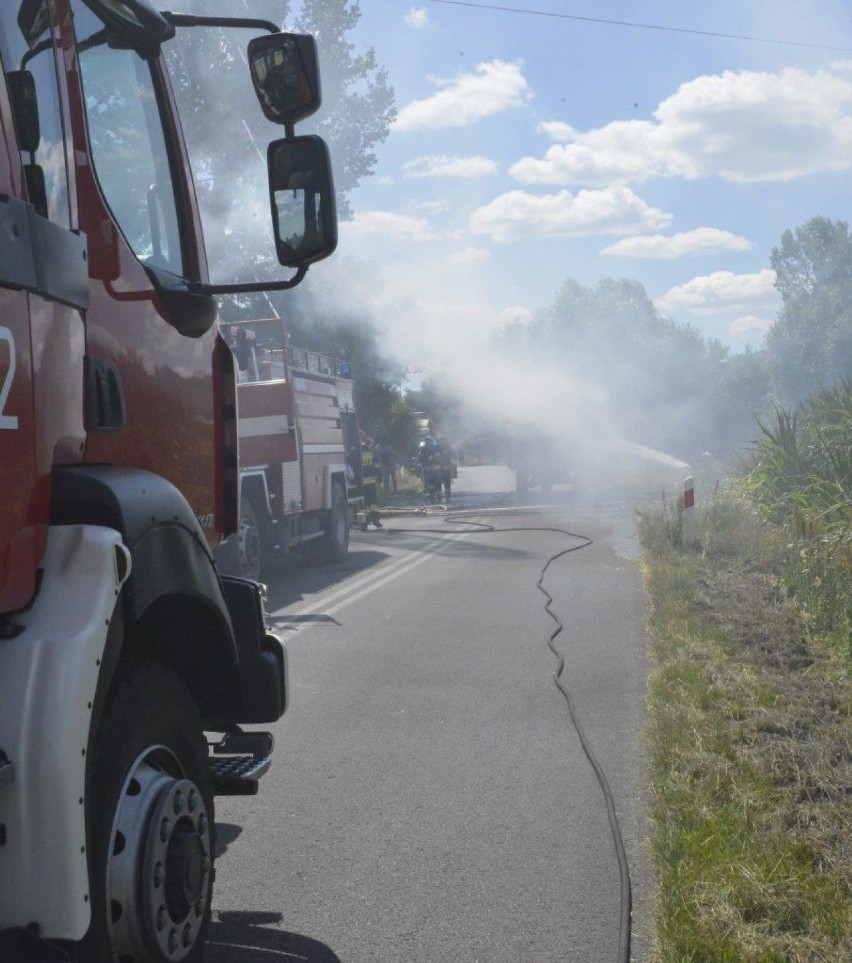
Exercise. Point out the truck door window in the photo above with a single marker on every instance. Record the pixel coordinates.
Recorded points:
(128, 145)
(46, 173)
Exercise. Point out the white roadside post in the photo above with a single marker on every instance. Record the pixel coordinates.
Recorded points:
(689, 512)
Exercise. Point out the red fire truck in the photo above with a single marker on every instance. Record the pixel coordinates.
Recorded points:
(120, 644)
(300, 454)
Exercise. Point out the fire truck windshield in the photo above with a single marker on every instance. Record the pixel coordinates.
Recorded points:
(128, 145)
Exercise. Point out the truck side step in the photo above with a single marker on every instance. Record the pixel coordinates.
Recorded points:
(238, 775)
(239, 760)
(7, 770)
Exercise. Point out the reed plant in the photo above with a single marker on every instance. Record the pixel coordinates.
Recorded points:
(799, 473)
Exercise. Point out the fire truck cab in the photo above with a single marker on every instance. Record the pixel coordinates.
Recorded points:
(120, 644)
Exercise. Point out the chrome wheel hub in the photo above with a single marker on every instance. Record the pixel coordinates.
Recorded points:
(160, 865)
(249, 548)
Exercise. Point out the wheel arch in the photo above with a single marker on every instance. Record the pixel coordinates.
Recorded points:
(334, 475)
(52, 667)
(173, 609)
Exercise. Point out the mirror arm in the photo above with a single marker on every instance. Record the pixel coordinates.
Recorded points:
(33, 52)
(190, 20)
(253, 287)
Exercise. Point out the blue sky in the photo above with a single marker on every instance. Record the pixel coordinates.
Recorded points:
(532, 149)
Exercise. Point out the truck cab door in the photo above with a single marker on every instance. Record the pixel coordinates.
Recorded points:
(18, 551)
(43, 289)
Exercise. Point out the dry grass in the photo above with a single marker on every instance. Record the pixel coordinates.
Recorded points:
(750, 751)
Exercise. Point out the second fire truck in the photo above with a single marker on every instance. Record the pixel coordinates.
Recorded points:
(300, 459)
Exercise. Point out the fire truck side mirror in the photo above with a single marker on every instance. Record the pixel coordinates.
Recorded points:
(301, 192)
(134, 21)
(285, 73)
(33, 20)
(22, 94)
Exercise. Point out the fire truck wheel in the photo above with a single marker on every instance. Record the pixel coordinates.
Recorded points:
(334, 544)
(337, 534)
(249, 543)
(150, 825)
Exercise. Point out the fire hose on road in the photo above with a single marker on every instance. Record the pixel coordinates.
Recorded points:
(465, 517)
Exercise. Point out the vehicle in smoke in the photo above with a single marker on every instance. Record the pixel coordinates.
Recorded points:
(535, 458)
(300, 463)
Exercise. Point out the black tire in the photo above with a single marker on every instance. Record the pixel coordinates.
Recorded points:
(333, 545)
(335, 542)
(150, 824)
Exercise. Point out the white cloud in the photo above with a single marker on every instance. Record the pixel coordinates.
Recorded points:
(703, 240)
(748, 325)
(441, 165)
(386, 181)
(468, 97)
(621, 152)
(744, 127)
(437, 206)
(557, 130)
(469, 254)
(417, 17)
(709, 293)
(398, 227)
(518, 214)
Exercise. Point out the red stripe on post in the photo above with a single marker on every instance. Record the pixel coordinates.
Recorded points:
(689, 498)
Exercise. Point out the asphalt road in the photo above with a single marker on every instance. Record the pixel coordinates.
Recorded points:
(429, 798)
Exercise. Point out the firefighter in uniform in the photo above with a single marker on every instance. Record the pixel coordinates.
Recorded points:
(371, 472)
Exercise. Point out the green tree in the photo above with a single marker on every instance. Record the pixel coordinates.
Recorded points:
(815, 255)
(358, 102)
(664, 384)
(227, 137)
(810, 344)
(330, 313)
(400, 427)
(227, 133)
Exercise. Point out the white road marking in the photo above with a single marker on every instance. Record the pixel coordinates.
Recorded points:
(359, 587)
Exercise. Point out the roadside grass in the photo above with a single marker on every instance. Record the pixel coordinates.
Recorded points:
(409, 488)
(750, 724)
